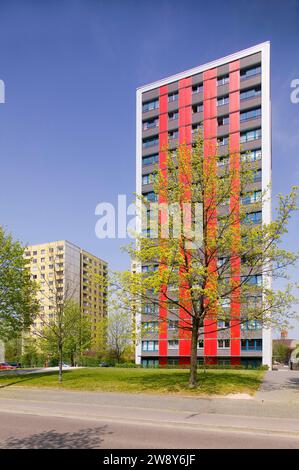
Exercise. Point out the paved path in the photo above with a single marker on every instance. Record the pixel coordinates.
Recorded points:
(280, 385)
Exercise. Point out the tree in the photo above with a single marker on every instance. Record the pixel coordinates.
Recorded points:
(119, 334)
(64, 329)
(67, 335)
(18, 304)
(208, 263)
(281, 352)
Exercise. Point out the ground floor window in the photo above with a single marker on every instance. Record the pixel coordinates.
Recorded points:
(150, 362)
(223, 362)
(173, 361)
(251, 363)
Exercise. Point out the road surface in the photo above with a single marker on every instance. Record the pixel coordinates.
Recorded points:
(33, 418)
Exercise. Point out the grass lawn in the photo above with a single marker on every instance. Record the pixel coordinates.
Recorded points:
(211, 382)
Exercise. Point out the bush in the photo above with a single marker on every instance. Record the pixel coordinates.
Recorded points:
(129, 365)
(89, 361)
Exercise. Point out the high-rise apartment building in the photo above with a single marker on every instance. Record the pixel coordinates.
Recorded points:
(229, 100)
(65, 271)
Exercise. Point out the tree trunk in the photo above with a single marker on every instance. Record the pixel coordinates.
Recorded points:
(193, 357)
(60, 363)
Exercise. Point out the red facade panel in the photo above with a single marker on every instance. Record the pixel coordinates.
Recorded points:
(163, 140)
(210, 148)
(234, 129)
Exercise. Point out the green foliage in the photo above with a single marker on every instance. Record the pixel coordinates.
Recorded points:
(70, 331)
(206, 267)
(281, 352)
(13, 350)
(18, 304)
(32, 356)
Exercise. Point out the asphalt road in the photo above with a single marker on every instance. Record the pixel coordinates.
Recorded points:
(19, 431)
(33, 418)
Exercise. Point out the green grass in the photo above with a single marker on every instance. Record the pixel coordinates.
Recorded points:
(211, 382)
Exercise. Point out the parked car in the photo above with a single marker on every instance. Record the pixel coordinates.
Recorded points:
(65, 365)
(104, 364)
(6, 366)
(15, 364)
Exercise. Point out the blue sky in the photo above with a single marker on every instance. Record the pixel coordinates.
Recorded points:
(71, 67)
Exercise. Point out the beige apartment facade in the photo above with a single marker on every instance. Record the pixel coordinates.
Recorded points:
(62, 271)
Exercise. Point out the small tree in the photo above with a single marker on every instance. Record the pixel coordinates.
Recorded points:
(65, 326)
(119, 334)
(206, 250)
(281, 352)
(67, 335)
(18, 304)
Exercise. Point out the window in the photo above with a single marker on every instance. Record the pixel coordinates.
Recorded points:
(223, 100)
(223, 80)
(251, 135)
(173, 96)
(223, 343)
(250, 72)
(151, 160)
(150, 268)
(250, 93)
(173, 134)
(148, 233)
(222, 324)
(200, 344)
(150, 142)
(197, 108)
(172, 116)
(253, 217)
(223, 140)
(223, 161)
(150, 345)
(257, 176)
(251, 344)
(150, 362)
(252, 156)
(251, 325)
(223, 120)
(224, 303)
(43, 252)
(173, 325)
(148, 179)
(148, 106)
(27, 253)
(222, 261)
(223, 362)
(34, 253)
(251, 198)
(150, 326)
(173, 344)
(196, 127)
(150, 309)
(150, 124)
(251, 114)
(255, 279)
(173, 361)
(197, 88)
